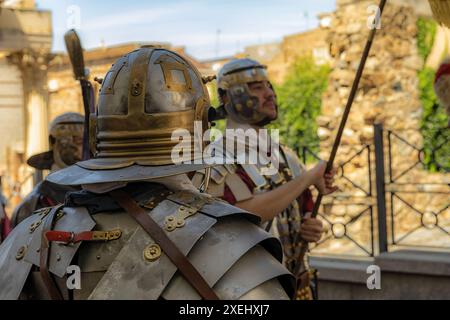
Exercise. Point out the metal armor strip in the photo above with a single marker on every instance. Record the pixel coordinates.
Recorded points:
(14, 269)
(269, 290)
(217, 252)
(254, 268)
(170, 249)
(72, 219)
(132, 277)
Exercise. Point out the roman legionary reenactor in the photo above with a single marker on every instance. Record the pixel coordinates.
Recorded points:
(139, 229)
(65, 140)
(282, 197)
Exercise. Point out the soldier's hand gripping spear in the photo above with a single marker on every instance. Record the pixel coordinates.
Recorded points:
(337, 141)
(75, 51)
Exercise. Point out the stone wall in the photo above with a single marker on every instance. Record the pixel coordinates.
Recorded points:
(388, 88)
(389, 95)
(280, 56)
(404, 275)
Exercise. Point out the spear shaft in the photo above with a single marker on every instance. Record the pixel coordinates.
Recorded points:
(337, 141)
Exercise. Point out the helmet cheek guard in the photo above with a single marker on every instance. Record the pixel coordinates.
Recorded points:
(241, 106)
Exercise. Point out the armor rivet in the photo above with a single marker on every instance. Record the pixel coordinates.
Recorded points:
(152, 252)
(136, 89)
(98, 257)
(170, 218)
(34, 225)
(21, 252)
(180, 223)
(249, 103)
(59, 215)
(58, 257)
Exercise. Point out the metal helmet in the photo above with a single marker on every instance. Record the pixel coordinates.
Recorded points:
(146, 95)
(65, 141)
(233, 79)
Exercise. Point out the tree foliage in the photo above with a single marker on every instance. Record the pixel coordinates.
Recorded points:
(213, 96)
(434, 120)
(426, 33)
(436, 135)
(299, 100)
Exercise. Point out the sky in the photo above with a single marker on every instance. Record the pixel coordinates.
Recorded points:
(208, 29)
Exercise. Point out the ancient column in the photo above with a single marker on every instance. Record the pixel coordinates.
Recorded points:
(34, 65)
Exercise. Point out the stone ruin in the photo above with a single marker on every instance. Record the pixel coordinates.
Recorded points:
(388, 95)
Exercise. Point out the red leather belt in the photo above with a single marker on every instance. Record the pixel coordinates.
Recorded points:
(71, 237)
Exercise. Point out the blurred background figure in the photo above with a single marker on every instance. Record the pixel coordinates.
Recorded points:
(65, 140)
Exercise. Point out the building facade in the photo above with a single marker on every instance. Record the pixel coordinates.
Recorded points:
(25, 52)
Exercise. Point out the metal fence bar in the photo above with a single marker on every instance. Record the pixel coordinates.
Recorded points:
(380, 183)
(391, 202)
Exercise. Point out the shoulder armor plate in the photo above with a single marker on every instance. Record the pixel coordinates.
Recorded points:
(238, 188)
(72, 219)
(269, 290)
(215, 208)
(253, 269)
(14, 269)
(292, 161)
(254, 174)
(100, 255)
(209, 258)
(132, 277)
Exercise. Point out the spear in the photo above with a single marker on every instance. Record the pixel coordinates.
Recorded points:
(337, 141)
(75, 51)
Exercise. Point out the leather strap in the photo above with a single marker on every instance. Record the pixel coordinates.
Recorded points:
(170, 249)
(71, 237)
(49, 282)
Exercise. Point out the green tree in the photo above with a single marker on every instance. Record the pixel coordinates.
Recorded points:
(299, 101)
(436, 135)
(213, 96)
(426, 33)
(434, 120)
